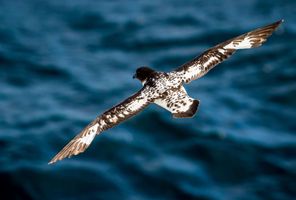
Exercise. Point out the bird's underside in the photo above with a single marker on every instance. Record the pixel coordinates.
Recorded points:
(165, 89)
(178, 103)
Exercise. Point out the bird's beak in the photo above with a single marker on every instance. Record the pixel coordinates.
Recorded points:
(134, 76)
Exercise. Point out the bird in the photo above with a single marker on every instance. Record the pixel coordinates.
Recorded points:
(165, 89)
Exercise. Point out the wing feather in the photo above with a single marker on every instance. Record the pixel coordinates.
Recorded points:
(200, 65)
(123, 111)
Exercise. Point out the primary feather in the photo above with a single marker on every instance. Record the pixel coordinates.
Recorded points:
(200, 65)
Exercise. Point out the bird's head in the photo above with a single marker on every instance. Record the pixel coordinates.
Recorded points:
(143, 73)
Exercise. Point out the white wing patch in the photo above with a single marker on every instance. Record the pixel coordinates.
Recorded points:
(178, 103)
(88, 138)
(137, 104)
(246, 43)
(78, 144)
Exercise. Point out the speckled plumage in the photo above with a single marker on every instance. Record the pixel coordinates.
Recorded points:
(165, 89)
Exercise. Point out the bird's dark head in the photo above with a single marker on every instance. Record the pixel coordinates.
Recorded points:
(143, 73)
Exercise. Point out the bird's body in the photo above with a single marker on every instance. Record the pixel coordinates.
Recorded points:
(165, 89)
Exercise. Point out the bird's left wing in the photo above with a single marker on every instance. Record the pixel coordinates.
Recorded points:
(200, 65)
(123, 111)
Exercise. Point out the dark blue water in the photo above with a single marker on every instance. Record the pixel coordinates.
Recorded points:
(64, 62)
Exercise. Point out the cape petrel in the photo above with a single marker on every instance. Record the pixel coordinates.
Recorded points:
(165, 89)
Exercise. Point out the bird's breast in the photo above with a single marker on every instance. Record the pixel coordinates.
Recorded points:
(163, 83)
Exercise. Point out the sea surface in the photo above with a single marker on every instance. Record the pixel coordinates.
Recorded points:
(63, 62)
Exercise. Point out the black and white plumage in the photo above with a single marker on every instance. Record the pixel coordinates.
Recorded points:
(165, 89)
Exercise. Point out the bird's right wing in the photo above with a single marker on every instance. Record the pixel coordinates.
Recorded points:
(200, 65)
(123, 111)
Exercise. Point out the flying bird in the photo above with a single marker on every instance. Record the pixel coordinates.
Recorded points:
(165, 89)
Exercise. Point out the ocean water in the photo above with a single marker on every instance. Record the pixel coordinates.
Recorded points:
(62, 63)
